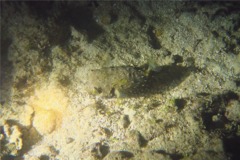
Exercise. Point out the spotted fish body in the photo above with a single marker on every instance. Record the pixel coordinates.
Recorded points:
(127, 81)
(115, 81)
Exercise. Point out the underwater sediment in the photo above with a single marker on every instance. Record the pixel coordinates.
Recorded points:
(120, 80)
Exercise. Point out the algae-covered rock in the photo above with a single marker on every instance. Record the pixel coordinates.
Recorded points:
(136, 139)
(99, 150)
(11, 141)
(233, 111)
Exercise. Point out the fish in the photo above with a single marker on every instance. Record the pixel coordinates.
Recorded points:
(117, 81)
(131, 81)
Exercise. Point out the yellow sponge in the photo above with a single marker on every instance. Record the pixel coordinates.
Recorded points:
(45, 121)
(49, 103)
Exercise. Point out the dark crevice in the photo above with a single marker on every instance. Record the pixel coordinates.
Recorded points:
(231, 147)
(6, 70)
(215, 121)
(230, 95)
(44, 157)
(41, 9)
(141, 140)
(180, 103)
(216, 108)
(135, 12)
(177, 59)
(126, 154)
(78, 15)
(237, 83)
(81, 18)
(153, 40)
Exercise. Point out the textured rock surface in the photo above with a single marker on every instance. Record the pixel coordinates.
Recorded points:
(120, 80)
(11, 142)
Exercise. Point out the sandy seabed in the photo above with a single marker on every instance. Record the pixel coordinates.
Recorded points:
(116, 80)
